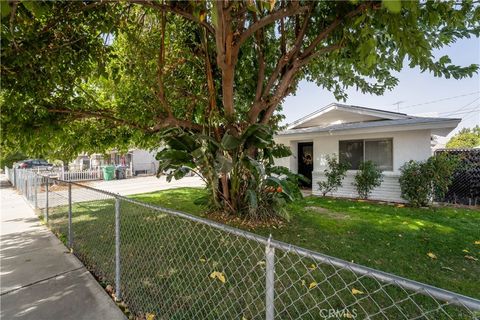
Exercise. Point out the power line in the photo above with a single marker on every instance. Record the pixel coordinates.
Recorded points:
(463, 111)
(465, 118)
(463, 107)
(467, 111)
(444, 99)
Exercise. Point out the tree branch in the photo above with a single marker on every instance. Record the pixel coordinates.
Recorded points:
(281, 92)
(261, 63)
(300, 59)
(226, 56)
(173, 122)
(328, 30)
(209, 76)
(320, 51)
(161, 62)
(169, 8)
(290, 55)
(99, 115)
(166, 123)
(272, 17)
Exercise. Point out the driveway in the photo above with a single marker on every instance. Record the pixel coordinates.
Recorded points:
(58, 194)
(136, 185)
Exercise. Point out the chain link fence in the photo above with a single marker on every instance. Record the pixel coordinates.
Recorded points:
(465, 187)
(177, 266)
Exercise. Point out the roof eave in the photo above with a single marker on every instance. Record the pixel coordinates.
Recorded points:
(430, 124)
(348, 108)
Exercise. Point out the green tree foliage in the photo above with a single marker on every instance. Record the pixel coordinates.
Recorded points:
(465, 138)
(421, 182)
(367, 178)
(265, 188)
(335, 173)
(89, 76)
(8, 158)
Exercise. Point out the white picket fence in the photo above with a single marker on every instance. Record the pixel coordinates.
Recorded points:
(86, 175)
(81, 175)
(71, 175)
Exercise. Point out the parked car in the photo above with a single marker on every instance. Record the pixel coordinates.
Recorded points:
(33, 164)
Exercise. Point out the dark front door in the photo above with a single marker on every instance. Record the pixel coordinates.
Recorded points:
(305, 161)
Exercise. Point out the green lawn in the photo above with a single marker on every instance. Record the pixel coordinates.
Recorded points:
(385, 237)
(167, 261)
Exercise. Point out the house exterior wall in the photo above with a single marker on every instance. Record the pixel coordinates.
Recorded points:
(96, 160)
(407, 145)
(144, 161)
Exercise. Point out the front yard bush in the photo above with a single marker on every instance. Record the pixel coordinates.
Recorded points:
(367, 178)
(414, 183)
(335, 173)
(421, 181)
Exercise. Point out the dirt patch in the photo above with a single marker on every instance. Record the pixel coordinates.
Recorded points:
(250, 224)
(63, 186)
(328, 213)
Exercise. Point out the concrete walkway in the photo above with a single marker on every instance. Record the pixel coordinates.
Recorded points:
(39, 278)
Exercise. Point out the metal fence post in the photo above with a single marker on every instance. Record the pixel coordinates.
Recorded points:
(30, 191)
(70, 236)
(29, 186)
(35, 191)
(46, 201)
(118, 292)
(25, 190)
(270, 281)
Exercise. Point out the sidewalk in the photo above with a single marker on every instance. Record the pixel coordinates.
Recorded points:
(39, 278)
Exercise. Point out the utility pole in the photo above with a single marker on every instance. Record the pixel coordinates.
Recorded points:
(398, 105)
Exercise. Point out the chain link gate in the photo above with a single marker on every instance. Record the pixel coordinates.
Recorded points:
(178, 266)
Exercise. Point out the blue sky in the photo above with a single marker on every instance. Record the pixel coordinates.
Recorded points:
(414, 88)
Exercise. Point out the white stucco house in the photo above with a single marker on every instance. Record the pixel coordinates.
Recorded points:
(356, 134)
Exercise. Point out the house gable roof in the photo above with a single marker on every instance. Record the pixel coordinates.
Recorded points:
(356, 117)
(341, 114)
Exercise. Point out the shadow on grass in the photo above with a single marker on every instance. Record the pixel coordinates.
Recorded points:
(168, 263)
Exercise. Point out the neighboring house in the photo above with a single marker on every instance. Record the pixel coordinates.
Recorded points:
(82, 162)
(356, 134)
(140, 161)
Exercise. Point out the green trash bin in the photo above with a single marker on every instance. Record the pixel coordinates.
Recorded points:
(108, 173)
